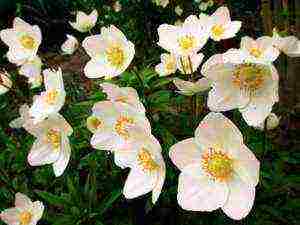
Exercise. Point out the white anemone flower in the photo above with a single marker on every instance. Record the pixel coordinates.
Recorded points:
(217, 169)
(289, 45)
(5, 82)
(70, 45)
(51, 100)
(25, 211)
(126, 95)
(189, 88)
(32, 69)
(52, 143)
(236, 84)
(84, 22)
(23, 41)
(186, 39)
(110, 52)
(147, 168)
(110, 122)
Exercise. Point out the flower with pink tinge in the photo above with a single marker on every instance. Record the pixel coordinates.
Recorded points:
(147, 168)
(189, 88)
(261, 50)
(237, 84)
(221, 25)
(23, 41)
(110, 122)
(84, 22)
(70, 45)
(32, 69)
(126, 95)
(185, 39)
(289, 45)
(51, 100)
(217, 169)
(25, 211)
(5, 82)
(111, 53)
(52, 143)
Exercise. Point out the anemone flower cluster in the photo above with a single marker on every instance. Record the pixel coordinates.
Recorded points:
(119, 125)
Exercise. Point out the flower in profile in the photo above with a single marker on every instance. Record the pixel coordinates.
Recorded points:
(70, 45)
(25, 211)
(261, 50)
(32, 69)
(110, 122)
(221, 25)
(189, 64)
(186, 39)
(23, 41)
(5, 82)
(217, 169)
(24, 120)
(110, 52)
(117, 6)
(84, 22)
(51, 100)
(147, 167)
(52, 144)
(250, 87)
(167, 66)
(271, 122)
(189, 88)
(126, 95)
(289, 45)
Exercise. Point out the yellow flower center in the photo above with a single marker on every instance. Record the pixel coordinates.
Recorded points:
(121, 126)
(187, 42)
(217, 30)
(121, 99)
(94, 123)
(256, 52)
(51, 96)
(25, 218)
(218, 165)
(146, 161)
(250, 76)
(115, 55)
(170, 64)
(54, 138)
(27, 42)
(86, 25)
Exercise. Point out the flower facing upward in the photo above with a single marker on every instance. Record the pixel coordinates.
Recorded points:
(84, 22)
(110, 122)
(221, 25)
(5, 82)
(143, 156)
(52, 144)
(51, 100)
(23, 41)
(250, 87)
(110, 52)
(70, 45)
(217, 169)
(25, 211)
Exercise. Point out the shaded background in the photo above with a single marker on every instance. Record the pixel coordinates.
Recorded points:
(89, 192)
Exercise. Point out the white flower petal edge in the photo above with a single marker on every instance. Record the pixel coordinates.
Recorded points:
(84, 22)
(70, 45)
(5, 82)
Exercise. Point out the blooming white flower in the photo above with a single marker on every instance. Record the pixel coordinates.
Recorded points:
(126, 95)
(250, 87)
(24, 120)
(110, 122)
(52, 144)
(5, 82)
(186, 39)
(84, 22)
(217, 169)
(143, 157)
(221, 25)
(32, 70)
(25, 211)
(189, 88)
(51, 100)
(23, 41)
(289, 45)
(167, 66)
(110, 51)
(70, 45)
(261, 50)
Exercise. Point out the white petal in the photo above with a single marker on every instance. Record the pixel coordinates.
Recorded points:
(22, 201)
(60, 165)
(38, 209)
(10, 216)
(161, 176)
(232, 29)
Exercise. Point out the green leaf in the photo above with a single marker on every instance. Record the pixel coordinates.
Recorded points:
(53, 199)
(109, 200)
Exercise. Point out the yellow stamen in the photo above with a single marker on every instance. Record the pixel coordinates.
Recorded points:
(28, 42)
(256, 52)
(121, 126)
(170, 64)
(94, 123)
(115, 55)
(187, 43)
(146, 161)
(25, 218)
(121, 99)
(51, 96)
(54, 138)
(217, 30)
(218, 165)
